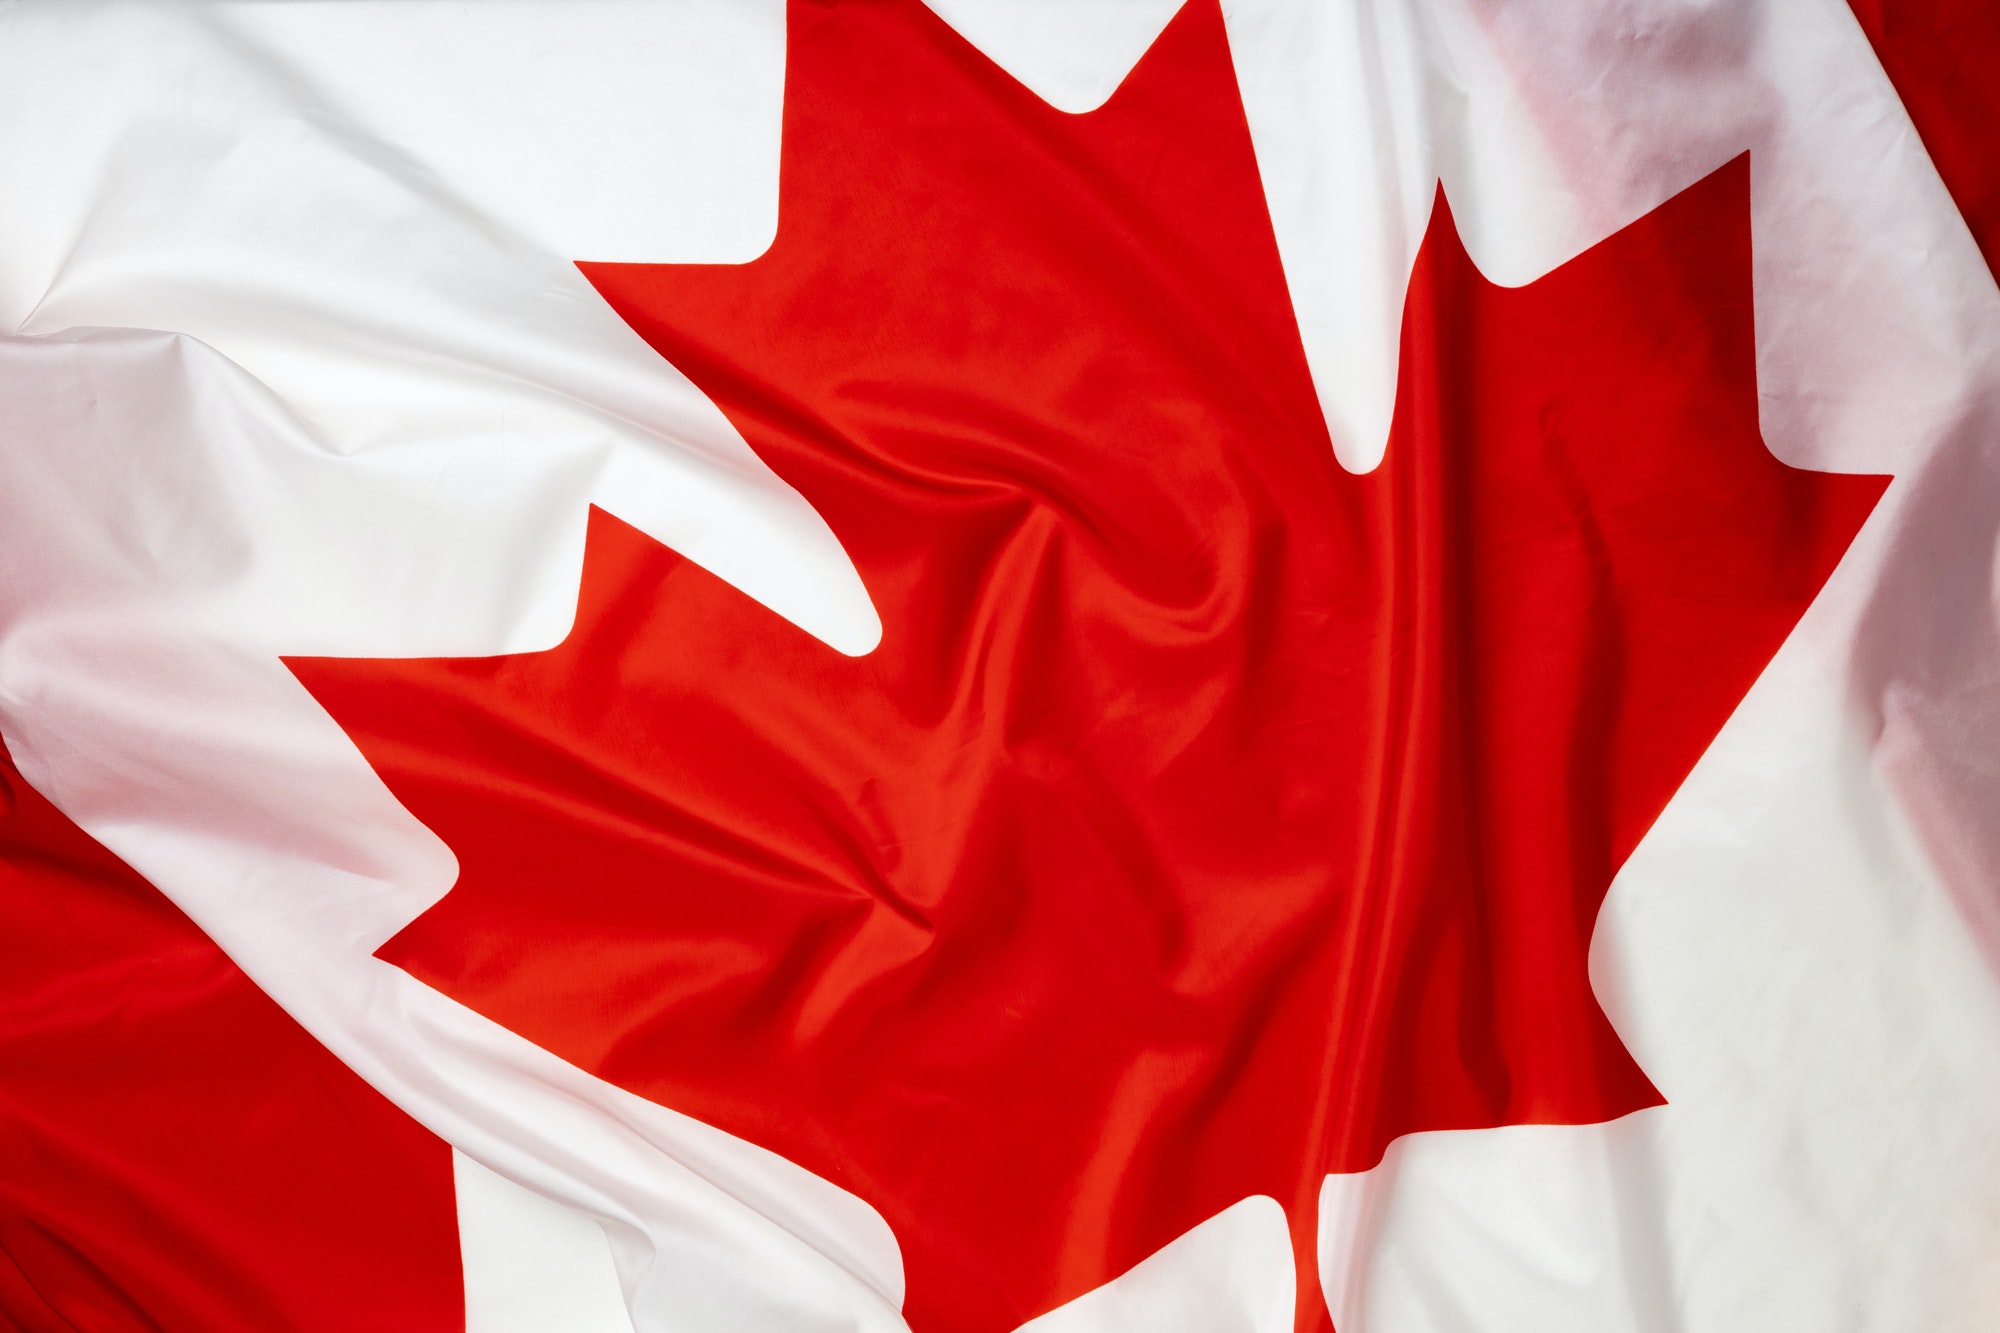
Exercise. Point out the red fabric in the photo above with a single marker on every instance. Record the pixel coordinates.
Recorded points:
(175, 1153)
(1208, 816)
(1944, 58)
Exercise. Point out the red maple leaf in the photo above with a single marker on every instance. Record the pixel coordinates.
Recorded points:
(1208, 816)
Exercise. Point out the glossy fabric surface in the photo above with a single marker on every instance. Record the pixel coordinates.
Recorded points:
(1208, 816)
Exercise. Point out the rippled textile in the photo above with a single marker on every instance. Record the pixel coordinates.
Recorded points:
(1207, 817)
(1021, 789)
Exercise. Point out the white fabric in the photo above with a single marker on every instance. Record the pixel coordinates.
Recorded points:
(300, 364)
(531, 1265)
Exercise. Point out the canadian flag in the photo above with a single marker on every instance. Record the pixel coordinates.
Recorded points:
(1088, 666)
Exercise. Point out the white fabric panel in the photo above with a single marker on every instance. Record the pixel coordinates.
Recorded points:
(488, 97)
(532, 1266)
